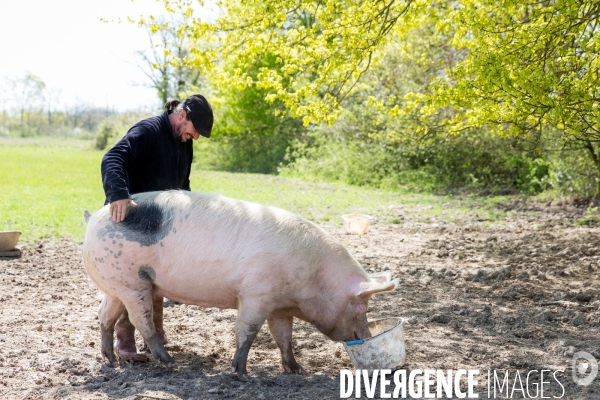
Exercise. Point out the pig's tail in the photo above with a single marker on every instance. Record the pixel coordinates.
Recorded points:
(172, 104)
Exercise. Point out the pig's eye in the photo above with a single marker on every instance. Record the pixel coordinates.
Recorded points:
(360, 308)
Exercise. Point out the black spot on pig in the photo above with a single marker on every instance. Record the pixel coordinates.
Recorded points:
(145, 224)
(146, 273)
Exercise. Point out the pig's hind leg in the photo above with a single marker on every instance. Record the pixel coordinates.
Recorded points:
(108, 313)
(247, 325)
(139, 307)
(280, 327)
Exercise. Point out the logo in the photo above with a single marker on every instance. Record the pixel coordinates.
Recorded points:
(585, 368)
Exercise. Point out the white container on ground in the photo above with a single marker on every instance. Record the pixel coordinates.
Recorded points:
(8, 240)
(384, 350)
(356, 224)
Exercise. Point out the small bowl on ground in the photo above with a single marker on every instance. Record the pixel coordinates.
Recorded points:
(385, 349)
(8, 240)
(357, 224)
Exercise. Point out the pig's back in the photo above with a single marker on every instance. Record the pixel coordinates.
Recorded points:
(213, 248)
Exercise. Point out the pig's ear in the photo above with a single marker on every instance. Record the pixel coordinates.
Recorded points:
(381, 277)
(370, 288)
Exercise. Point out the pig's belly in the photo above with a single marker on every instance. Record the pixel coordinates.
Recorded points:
(204, 288)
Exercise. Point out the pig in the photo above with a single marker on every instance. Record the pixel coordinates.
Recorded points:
(212, 251)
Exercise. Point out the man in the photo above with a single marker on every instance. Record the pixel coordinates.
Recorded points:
(155, 154)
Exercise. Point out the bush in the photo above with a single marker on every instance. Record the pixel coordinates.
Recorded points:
(530, 176)
(476, 159)
(113, 128)
(106, 132)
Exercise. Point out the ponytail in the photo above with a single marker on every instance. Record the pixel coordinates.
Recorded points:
(172, 104)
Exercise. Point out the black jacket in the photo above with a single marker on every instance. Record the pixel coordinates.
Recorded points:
(149, 157)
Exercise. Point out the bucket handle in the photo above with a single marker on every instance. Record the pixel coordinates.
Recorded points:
(353, 342)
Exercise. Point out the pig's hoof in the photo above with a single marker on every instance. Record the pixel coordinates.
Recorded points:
(169, 347)
(170, 365)
(172, 347)
(242, 377)
(125, 355)
(294, 369)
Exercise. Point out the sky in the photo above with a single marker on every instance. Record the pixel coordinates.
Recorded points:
(65, 43)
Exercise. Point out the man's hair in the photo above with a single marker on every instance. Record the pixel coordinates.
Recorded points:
(172, 105)
(197, 109)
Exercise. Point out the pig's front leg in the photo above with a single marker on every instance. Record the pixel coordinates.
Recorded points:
(108, 313)
(247, 325)
(280, 327)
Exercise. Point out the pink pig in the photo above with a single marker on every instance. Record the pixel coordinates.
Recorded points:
(213, 251)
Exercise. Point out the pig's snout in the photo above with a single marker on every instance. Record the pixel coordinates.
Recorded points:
(363, 333)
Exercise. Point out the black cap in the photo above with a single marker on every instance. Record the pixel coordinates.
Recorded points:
(200, 113)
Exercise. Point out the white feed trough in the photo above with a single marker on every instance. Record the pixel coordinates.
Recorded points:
(357, 224)
(8, 240)
(385, 349)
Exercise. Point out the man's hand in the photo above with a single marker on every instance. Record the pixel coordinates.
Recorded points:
(118, 209)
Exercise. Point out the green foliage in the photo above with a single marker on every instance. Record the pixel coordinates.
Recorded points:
(591, 217)
(573, 173)
(105, 133)
(527, 64)
(531, 175)
(474, 159)
(321, 48)
(253, 134)
(113, 128)
(515, 67)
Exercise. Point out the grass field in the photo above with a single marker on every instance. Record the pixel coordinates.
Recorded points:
(46, 184)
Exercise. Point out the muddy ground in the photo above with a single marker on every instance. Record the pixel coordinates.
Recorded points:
(519, 294)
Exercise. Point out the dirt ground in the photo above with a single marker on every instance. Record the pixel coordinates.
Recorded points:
(519, 295)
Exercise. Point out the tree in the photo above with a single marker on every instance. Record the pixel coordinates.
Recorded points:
(6, 86)
(165, 64)
(51, 98)
(321, 48)
(528, 65)
(28, 95)
(531, 66)
(254, 134)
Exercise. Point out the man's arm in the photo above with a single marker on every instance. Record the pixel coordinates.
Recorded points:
(115, 164)
(186, 182)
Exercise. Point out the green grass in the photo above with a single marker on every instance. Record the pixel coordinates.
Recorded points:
(46, 184)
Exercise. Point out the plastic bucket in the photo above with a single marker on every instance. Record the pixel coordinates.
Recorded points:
(356, 224)
(384, 350)
(8, 240)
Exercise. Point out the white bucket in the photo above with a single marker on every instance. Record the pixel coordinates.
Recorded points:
(384, 350)
(356, 224)
(8, 240)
